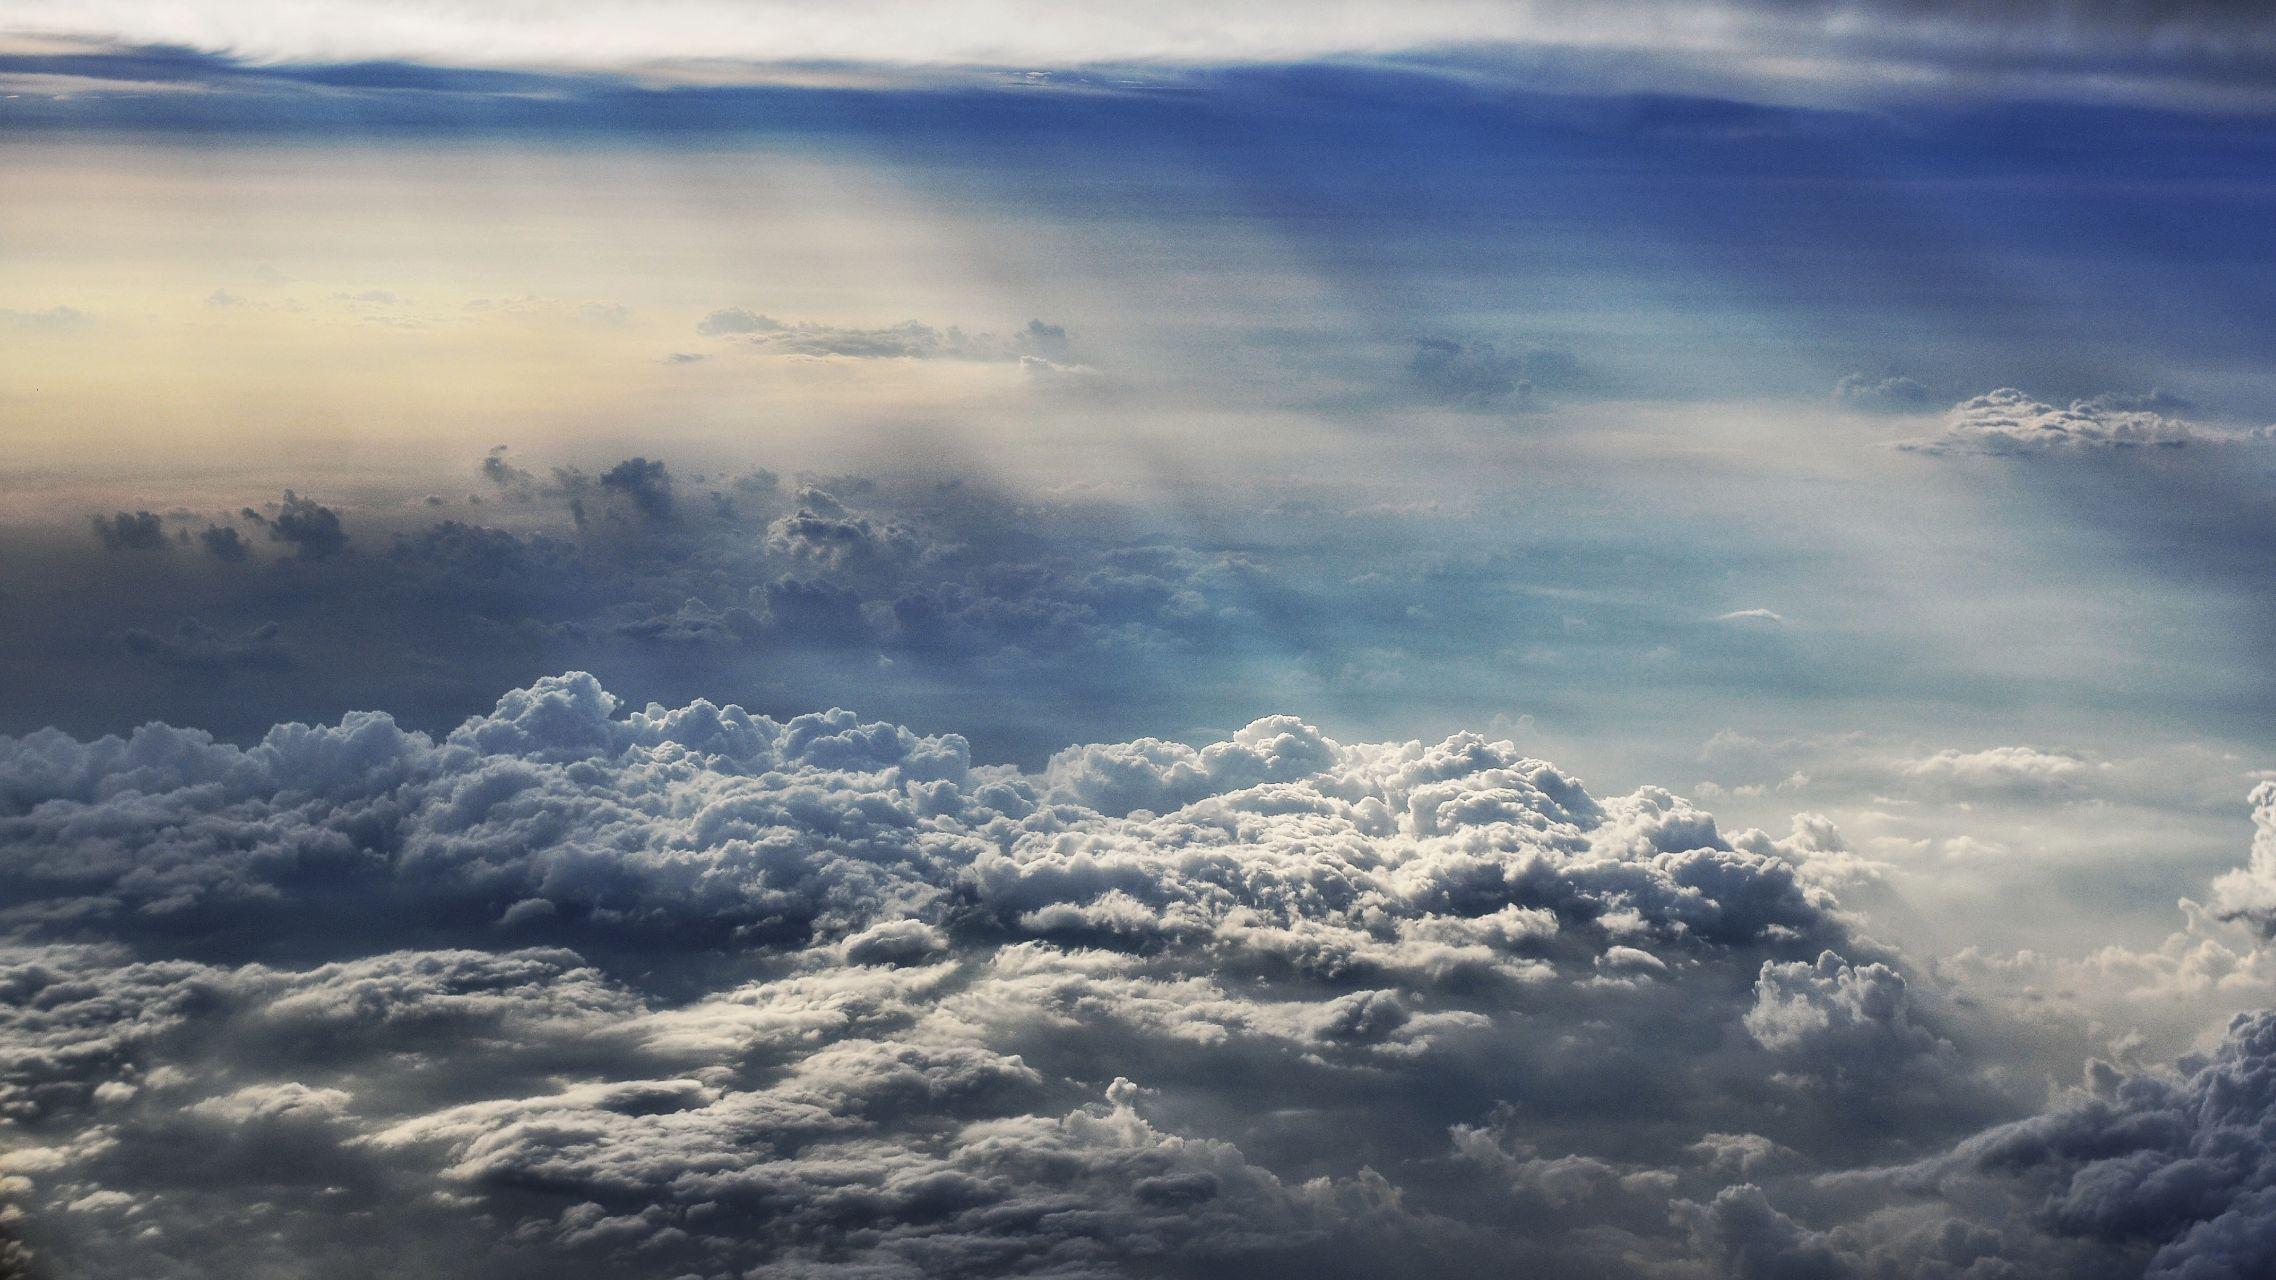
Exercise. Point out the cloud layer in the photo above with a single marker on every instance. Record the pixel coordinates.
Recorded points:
(2100, 47)
(578, 988)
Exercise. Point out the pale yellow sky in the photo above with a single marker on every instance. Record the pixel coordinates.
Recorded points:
(186, 306)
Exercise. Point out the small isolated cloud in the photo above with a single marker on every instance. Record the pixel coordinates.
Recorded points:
(1752, 615)
(1890, 393)
(2009, 423)
(224, 543)
(310, 528)
(735, 320)
(131, 531)
(909, 340)
(1479, 375)
(2001, 771)
(1046, 341)
(53, 320)
(195, 646)
(647, 483)
(505, 475)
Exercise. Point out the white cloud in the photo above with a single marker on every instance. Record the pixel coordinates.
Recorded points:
(1844, 46)
(2007, 422)
(823, 992)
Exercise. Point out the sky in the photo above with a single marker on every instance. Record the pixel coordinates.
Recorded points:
(745, 639)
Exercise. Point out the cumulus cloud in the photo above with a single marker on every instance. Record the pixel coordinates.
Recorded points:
(580, 987)
(2002, 770)
(980, 1020)
(2249, 893)
(647, 484)
(313, 530)
(2009, 423)
(224, 543)
(131, 531)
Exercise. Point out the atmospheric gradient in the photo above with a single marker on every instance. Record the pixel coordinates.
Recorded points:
(765, 639)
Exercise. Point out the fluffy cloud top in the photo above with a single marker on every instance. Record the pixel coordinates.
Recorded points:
(837, 992)
(580, 989)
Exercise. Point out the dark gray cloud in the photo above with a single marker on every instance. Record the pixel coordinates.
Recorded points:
(224, 543)
(193, 645)
(131, 531)
(647, 484)
(504, 474)
(741, 577)
(313, 530)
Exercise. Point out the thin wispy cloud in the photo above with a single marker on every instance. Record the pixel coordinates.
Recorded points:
(2209, 51)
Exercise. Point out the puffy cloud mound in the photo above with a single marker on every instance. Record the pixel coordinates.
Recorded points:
(2168, 1174)
(580, 989)
(2250, 893)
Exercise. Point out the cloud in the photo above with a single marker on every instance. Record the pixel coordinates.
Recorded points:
(2170, 1169)
(135, 531)
(224, 544)
(2009, 423)
(578, 987)
(2001, 771)
(505, 475)
(1891, 393)
(648, 485)
(1849, 1022)
(2249, 894)
(736, 320)
(951, 976)
(53, 320)
(310, 528)
(909, 340)
(1478, 375)
(2101, 47)
(195, 646)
